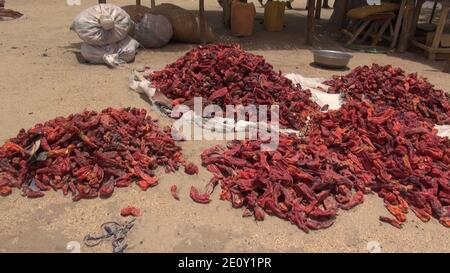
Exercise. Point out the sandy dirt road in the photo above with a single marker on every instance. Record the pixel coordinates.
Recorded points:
(42, 76)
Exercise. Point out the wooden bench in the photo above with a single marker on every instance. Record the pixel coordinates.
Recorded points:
(372, 26)
(435, 46)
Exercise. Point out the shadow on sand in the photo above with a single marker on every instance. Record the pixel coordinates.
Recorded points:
(291, 38)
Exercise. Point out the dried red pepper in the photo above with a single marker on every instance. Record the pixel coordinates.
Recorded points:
(227, 75)
(369, 145)
(392, 221)
(202, 198)
(130, 211)
(398, 157)
(388, 85)
(89, 154)
(191, 169)
(294, 182)
(5, 190)
(173, 191)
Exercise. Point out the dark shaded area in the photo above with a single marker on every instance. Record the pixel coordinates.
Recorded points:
(74, 48)
(313, 64)
(292, 37)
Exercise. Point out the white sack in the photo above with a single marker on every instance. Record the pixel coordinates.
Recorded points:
(153, 31)
(112, 55)
(102, 24)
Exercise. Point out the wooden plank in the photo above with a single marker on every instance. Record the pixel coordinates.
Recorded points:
(344, 15)
(398, 24)
(420, 45)
(447, 67)
(152, 3)
(138, 2)
(429, 49)
(102, 1)
(201, 11)
(435, 45)
(406, 34)
(417, 11)
(358, 32)
(380, 33)
(226, 14)
(318, 9)
(310, 23)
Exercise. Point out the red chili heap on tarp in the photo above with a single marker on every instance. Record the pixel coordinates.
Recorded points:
(386, 85)
(293, 182)
(384, 146)
(88, 154)
(352, 151)
(228, 75)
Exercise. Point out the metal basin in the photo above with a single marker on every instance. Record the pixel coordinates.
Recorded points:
(331, 58)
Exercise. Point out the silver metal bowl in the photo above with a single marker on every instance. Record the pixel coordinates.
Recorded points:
(331, 58)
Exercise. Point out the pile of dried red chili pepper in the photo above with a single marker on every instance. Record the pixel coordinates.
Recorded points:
(381, 140)
(386, 85)
(89, 154)
(227, 75)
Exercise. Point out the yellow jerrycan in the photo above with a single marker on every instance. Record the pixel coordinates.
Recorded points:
(273, 15)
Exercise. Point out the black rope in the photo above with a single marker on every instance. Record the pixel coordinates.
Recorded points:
(117, 231)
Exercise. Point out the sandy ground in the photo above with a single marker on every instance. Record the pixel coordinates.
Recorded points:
(42, 76)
